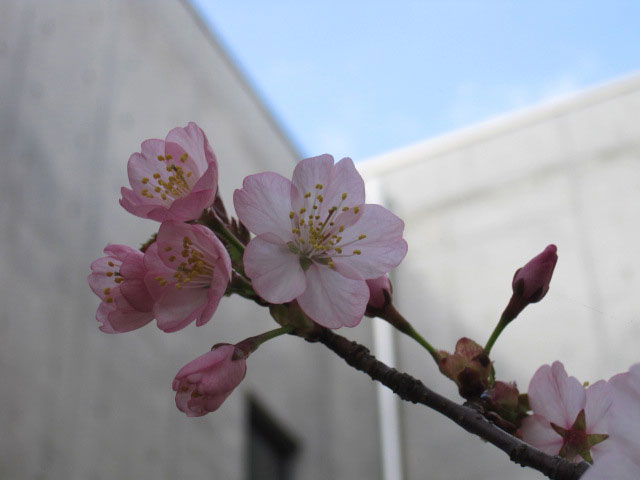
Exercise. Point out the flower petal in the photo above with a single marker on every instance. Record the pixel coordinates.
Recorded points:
(344, 179)
(193, 140)
(556, 396)
(177, 308)
(275, 272)
(613, 466)
(597, 406)
(311, 172)
(382, 249)
(537, 431)
(332, 300)
(264, 203)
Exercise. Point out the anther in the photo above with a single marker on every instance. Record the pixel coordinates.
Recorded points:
(292, 214)
(145, 180)
(341, 228)
(356, 209)
(357, 252)
(161, 158)
(107, 291)
(319, 186)
(345, 209)
(110, 263)
(307, 195)
(362, 237)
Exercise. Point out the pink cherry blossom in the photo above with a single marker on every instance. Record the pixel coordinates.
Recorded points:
(317, 241)
(118, 279)
(172, 179)
(203, 384)
(622, 461)
(377, 287)
(567, 418)
(188, 270)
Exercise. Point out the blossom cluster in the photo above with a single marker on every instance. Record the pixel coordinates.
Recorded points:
(318, 247)
(319, 258)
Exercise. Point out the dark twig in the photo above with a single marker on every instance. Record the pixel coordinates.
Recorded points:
(413, 390)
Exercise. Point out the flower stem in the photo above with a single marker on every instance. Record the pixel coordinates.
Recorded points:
(218, 227)
(495, 334)
(249, 345)
(391, 315)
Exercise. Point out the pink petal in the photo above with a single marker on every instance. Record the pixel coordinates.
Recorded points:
(215, 293)
(382, 249)
(377, 287)
(333, 300)
(275, 272)
(126, 320)
(556, 396)
(625, 419)
(208, 360)
(311, 172)
(177, 308)
(264, 204)
(613, 466)
(537, 431)
(136, 293)
(189, 207)
(193, 140)
(598, 404)
(345, 179)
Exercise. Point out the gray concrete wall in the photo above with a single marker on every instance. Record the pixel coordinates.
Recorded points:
(481, 202)
(81, 85)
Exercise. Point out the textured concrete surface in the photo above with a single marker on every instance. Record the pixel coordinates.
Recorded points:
(81, 85)
(481, 202)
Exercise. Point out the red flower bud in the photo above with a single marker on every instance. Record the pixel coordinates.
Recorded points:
(531, 282)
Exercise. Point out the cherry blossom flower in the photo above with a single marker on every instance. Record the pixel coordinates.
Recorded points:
(531, 282)
(317, 242)
(172, 179)
(188, 270)
(377, 287)
(622, 461)
(203, 384)
(118, 279)
(568, 420)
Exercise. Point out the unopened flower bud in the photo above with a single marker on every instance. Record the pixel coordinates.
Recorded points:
(203, 384)
(379, 292)
(531, 282)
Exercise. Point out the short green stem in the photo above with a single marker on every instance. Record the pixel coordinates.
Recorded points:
(249, 345)
(391, 315)
(495, 334)
(218, 227)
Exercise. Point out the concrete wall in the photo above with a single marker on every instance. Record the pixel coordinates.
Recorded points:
(81, 85)
(481, 202)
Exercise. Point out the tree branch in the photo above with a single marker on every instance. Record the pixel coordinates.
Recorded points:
(413, 390)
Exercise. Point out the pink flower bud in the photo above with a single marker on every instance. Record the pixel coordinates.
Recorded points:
(377, 288)
(203, 384)
(531, 282)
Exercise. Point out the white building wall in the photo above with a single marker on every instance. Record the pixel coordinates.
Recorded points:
(81, 85)
(481, 202)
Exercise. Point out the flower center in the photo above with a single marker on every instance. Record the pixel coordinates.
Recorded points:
(318, 239)
(193, 271)
(172, 182)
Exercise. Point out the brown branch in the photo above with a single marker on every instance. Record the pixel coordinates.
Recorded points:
(413, 390)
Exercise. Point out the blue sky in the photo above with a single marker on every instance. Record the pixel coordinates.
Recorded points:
(361, 78)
